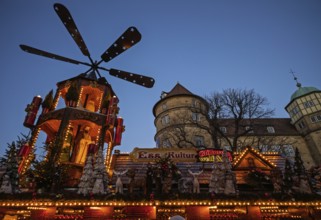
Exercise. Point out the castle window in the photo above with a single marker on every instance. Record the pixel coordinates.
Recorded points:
(249, 129)
(301, 125)
(223, 130)
(196, 116)
(288, 151)
(164, 106)
(165, 120)
(295, 110)
(275, 148)
(263, 148)
(195, 103)
(270, 129)
(315, 118)
(166, 143)
(199, 141)
(308, 104)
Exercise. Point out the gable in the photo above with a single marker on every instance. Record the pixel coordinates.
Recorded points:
(250, 159)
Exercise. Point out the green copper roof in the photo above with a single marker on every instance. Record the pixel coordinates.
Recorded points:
(301, 91)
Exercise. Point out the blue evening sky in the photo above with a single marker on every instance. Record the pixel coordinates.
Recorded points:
(205, 45)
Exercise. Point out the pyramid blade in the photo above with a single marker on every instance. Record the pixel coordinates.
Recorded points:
(70, 25)
(33, 50)
(128, 39)
(132, 77)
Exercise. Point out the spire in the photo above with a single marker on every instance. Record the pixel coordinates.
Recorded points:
(301, 91)
(295, 79)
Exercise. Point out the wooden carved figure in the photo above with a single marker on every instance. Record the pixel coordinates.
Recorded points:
(196, 184)
(119, 183)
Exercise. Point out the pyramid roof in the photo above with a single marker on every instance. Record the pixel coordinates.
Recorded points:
(179, 90)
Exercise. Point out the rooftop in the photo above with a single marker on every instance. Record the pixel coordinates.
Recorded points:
(301, 91)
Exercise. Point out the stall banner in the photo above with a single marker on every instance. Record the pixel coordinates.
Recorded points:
(152, 154)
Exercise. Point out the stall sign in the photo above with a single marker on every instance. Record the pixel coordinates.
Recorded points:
(152, 154)
(208, 155)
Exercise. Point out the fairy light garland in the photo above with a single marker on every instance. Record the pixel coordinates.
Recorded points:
(67, 132)
(100, 99)
(80, 95)
(28, 160)
(108, 156)
(98, 135)
(257, 153)
(57, 99)
(278, 206)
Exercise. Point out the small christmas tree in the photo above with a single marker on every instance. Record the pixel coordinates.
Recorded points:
(10, 180)
(287, 177)
(48, 173)
(298, 166)
(100, 175)
(47, 104)
(72, 95)
(86, 180)
(19, 144)
(301, 180)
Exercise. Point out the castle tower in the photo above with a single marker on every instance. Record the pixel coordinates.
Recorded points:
(180, 120)
(305, 112)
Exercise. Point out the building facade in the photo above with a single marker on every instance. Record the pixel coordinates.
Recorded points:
(282, 135)
(304, 109)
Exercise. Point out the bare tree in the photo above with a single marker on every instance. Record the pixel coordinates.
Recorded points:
(231, 117)
(237, 110)
(183, 129)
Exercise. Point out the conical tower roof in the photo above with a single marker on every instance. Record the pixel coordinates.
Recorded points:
(179, 90)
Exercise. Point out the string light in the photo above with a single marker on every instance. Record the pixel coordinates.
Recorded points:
(26, 162)
(80, 95)
(57, 98)
(98, 134)
(100, 99)
(257, 153)
(226, 208)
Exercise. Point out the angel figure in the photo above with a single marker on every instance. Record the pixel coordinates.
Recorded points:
(196, 184)
(119, 183)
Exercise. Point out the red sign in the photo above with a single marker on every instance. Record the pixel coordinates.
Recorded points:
(208, 155)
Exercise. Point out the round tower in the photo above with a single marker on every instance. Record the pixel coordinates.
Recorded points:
(180, 120)
(305, 112)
